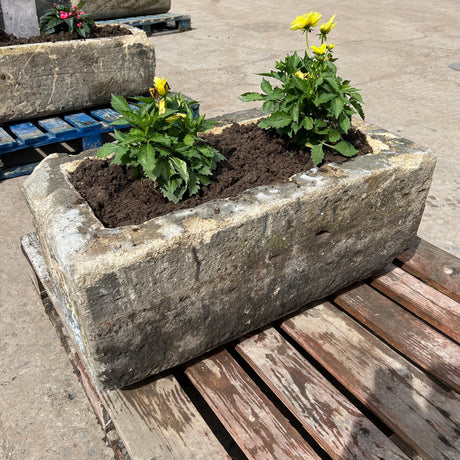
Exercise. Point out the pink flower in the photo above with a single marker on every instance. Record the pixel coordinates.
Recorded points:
(79, 24)
(78, 15)
(82, 12)
(71, 14)
(64, 15)
(74, 7)
(54, 4)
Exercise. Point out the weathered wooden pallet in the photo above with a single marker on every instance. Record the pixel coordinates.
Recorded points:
(87, 126)
(366, 373)
(156, 24)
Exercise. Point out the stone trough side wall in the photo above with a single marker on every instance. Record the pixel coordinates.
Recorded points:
(152, 296)
(48, 78)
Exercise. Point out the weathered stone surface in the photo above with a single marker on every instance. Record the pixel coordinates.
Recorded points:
(19, 17)
(145, 298)
(48, 78)
(109, 9)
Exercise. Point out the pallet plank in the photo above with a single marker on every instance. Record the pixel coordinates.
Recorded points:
(424, 415)
(108, 116)
(84, 122)
(28, 133)
(158, 420)
(414, 338)
(6, 140)
(424, 301)
(433, 265)
(254, 422)
(56, 126)
(338, 426)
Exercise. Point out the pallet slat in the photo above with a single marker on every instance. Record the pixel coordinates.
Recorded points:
(6, 140)
(419, 411)
(424, 301)
(56, 126)
(83, 122)
(434, 266)
(254, 422)
(414, 338)
(338, 426)
(158, 420)
(108, 116)
(28, 133)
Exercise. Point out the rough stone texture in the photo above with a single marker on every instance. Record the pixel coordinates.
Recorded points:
(19, 17)
(141, 299)
(48, 78)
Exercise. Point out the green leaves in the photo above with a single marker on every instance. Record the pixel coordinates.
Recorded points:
(312, 106)
(164, 149)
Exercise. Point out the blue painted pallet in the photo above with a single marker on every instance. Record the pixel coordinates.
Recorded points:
(156, 24)
(87, 126)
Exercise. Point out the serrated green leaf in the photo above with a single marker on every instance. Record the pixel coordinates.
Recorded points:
(307, 123)
(345, 149)
(266, 86)
(337, 106)
(120, 104)
(106, 149)
(278, 120)
(333, 84)
(317, 154)
(249, 97)
(147, 160)
(267, 106)
(344, 123)
(334, 135)
(189, 139)
(180, 167)
(323, 98)
(295, 113)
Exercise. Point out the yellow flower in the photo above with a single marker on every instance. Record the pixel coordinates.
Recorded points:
(330, 47)
(162, 106)
(300, 74)
(173, 118)
(319, 50)
(161, 85)
(306, 21)
(328, 26)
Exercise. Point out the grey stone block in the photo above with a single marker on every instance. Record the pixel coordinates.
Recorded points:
(144, 298)
(48, 78)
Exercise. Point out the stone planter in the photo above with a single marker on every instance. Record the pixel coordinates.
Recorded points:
(109, 9)
(48, 78)
(144, 298)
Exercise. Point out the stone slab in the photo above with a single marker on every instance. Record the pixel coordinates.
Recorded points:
(19, 17)
(143, 298)
(48, 78)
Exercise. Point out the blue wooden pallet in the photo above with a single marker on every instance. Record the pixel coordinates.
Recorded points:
(156, 24)
(87, 126)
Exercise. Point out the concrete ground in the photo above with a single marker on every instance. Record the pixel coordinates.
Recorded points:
(405, 58)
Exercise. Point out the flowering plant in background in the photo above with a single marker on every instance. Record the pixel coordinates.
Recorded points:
(65, 18)
(163, 144)
(313, 106)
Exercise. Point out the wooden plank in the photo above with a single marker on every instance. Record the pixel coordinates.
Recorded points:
(436, 267)
(28, 133)
(6, 140)
(84, 122)
(414, 338)
(254, 422)
(338, 426)
(56, 126)
(108, 116)
(158, 420)
(424, 301)
(424, 415)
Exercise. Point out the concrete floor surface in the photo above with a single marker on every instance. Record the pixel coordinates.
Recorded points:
(402, 55)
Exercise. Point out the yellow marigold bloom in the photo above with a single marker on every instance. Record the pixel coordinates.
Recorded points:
(330, 47)
(173, 118)
(161, 85)
(328, 26)
(301, 75)
(306, 21)
(319, 50)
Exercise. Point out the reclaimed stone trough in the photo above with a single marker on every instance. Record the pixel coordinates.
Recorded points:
(140, 299)
(48, 78)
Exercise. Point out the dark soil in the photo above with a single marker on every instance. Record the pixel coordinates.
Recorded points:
(98, 32)
(254, 157)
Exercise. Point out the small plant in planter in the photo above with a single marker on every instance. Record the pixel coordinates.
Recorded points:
(313, 106)
(163, 144)
(67, 19)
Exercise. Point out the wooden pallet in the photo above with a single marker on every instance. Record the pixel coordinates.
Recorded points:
(156, 24)
(372, 372)
(86, 126)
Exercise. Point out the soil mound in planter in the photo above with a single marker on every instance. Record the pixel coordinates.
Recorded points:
(98, 32)
(254, 157)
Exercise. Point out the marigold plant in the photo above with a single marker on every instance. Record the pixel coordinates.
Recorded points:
(68, 19)
(163, 144)
(312, 106)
